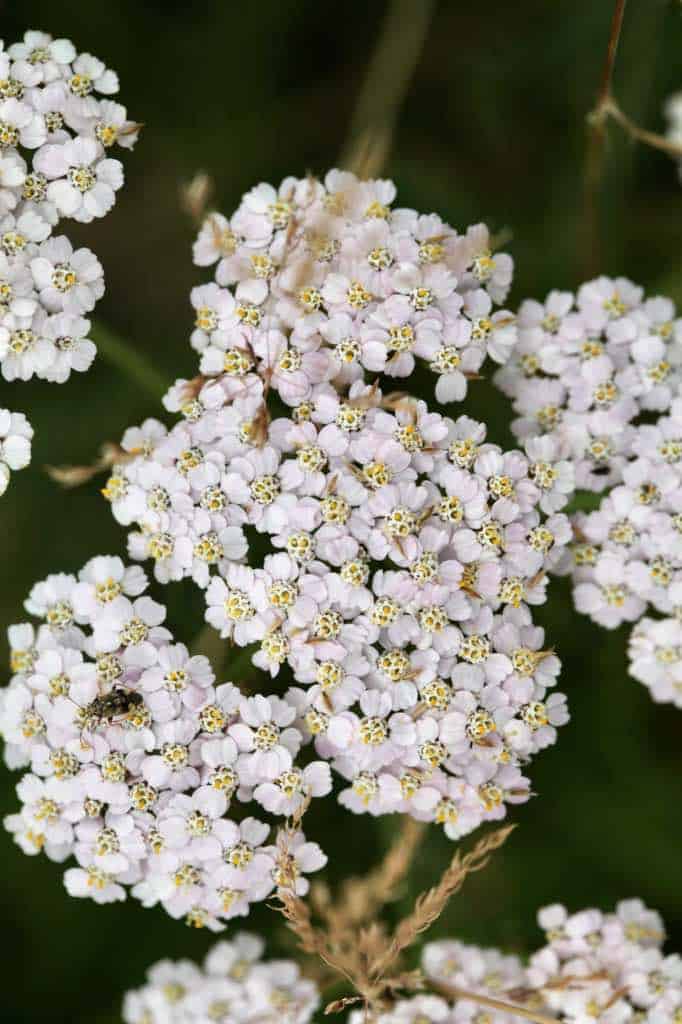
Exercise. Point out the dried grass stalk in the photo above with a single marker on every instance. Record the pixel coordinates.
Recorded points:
(430, 904)
(361, 898)
(351, 943)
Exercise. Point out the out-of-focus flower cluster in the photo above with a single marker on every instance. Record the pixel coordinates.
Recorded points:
(235, 984)
(593, 966)
(598, 376)
(16, 434)
(393, 552)
(57, 127)
(133, 755)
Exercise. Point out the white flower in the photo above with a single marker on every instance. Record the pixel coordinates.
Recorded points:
(20, 125)
(16, 434)
(12, 177)
(262, 734)
(25, 351)
(66, 280)
(74, 350)
(93, 883)
(89, 75)
(82, 184)
(49, 57)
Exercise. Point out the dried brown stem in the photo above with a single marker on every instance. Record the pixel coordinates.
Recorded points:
(495, 1004)
(578, 980)
(597, 139)
(673, 149)
(361, 898)
(75, 476)
(611, 51)
(351, 943)
(311, 939)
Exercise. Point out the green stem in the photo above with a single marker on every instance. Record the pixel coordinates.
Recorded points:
(583, 501)
(224, 658)
(126, 358)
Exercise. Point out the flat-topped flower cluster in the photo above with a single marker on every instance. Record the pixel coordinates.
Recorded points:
(598, 376)
(57, 127)
(234, 984)
(132, 755)
(383, 554)
(593, 966)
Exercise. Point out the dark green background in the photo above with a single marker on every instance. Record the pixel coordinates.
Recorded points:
(493, 128)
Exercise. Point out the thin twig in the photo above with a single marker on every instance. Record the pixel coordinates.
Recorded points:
(495, 1004)
(612, 49)
(673, 149)
(597, 138)
(371, 132)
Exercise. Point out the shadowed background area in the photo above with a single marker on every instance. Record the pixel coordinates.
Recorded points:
(492, 128)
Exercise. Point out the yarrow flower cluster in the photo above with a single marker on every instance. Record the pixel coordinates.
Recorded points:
(235, 984)
(593, 966)
(133, 754)
(398, 550)
(597, 376)
(57, 126)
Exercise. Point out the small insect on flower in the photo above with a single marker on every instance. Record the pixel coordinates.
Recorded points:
(118, 702)
(130, 755)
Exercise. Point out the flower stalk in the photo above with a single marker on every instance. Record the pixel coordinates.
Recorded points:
(597, 120)
(129, 360)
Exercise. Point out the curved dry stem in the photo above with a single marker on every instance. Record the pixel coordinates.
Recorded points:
(75, 476)
(652, 139)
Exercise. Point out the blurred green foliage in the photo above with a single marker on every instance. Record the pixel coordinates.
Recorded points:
(493, 128)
